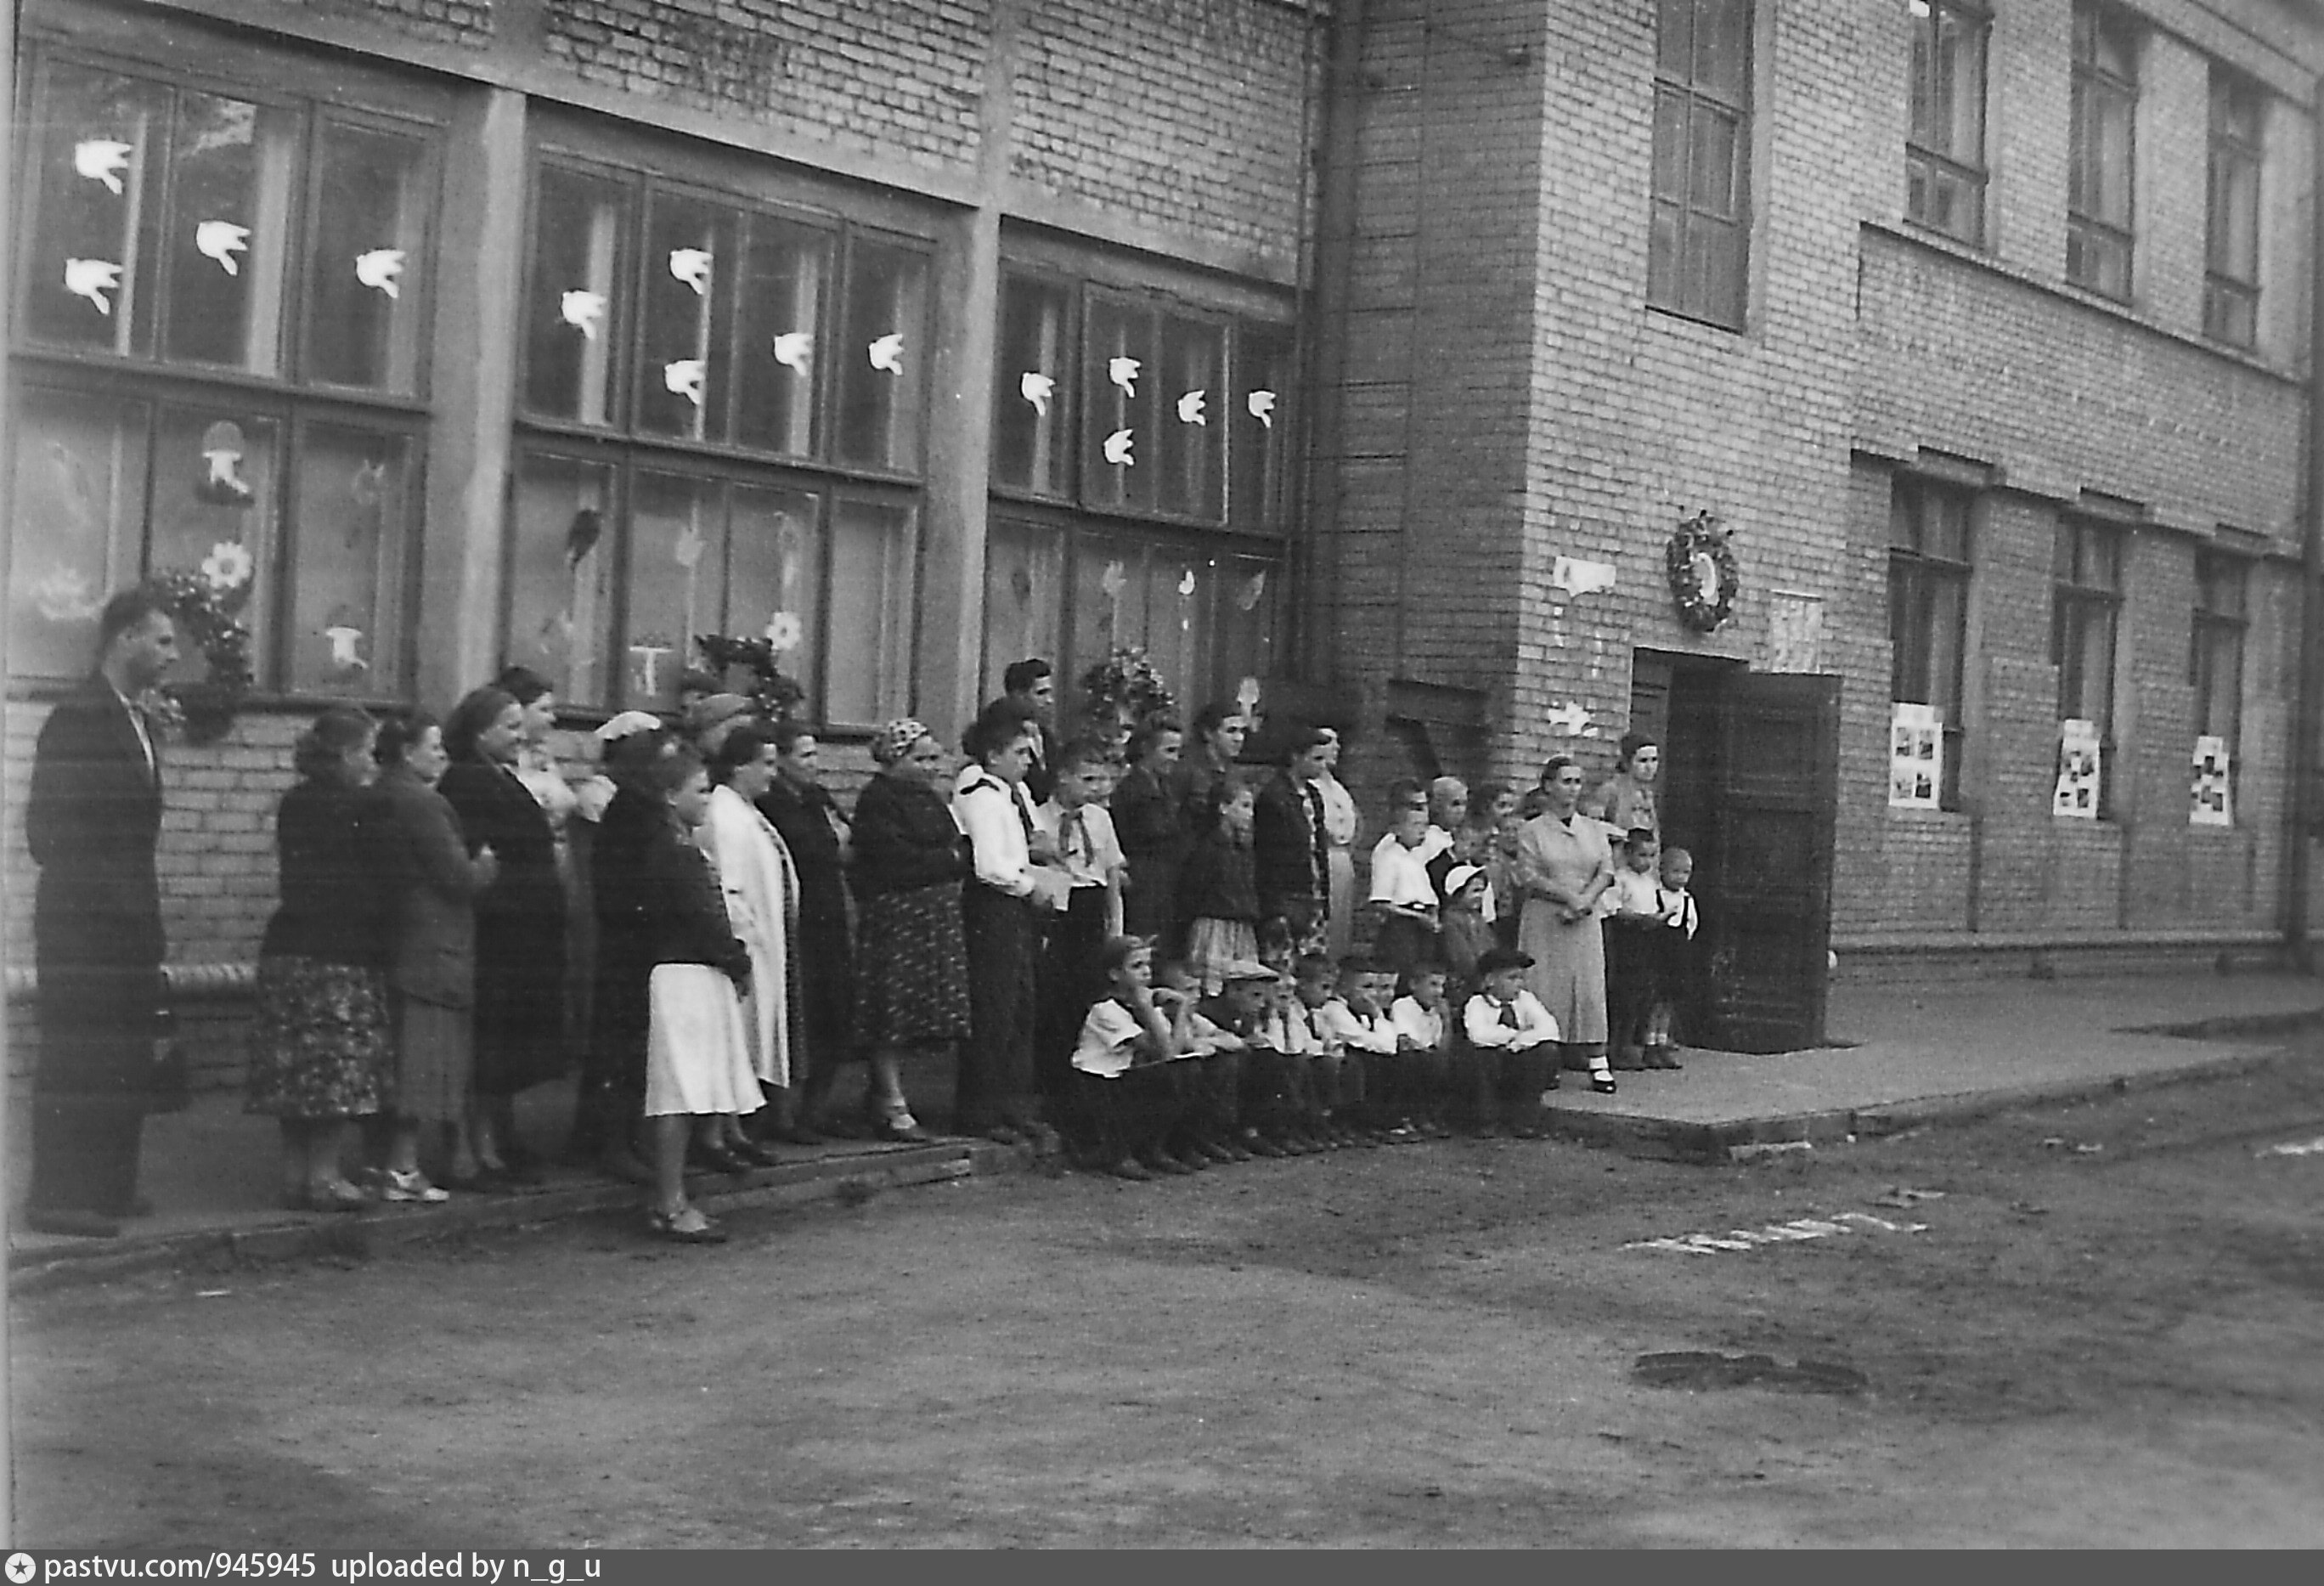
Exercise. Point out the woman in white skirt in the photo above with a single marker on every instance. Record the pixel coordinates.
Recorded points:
(762, 899)
(698, 1070)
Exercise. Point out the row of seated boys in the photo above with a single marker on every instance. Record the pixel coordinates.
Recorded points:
(1277, 1065)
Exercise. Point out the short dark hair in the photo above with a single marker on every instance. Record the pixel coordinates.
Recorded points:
(1556, 763)
(1631, 743)
(1078, 752)
(397, 734)
(1020, 675)
(320, 747)
(1308, 964)
(523, 684)
(996, 726)
(1357, 963)
(1305, 736)
(738, 749)
(1143, 735)
(124, 611)
(786, 733)
(673, 769)
(1214, 715)
(1641, 837)
(478, 708)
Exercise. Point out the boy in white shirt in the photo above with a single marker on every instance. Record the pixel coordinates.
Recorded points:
(1122, 1067)
(1357, 1023)
(1330, 1083)
(1073, 827)
(1631, 914)
(1677, 920)
(1423, 1039)
(1514, 1041)
(1403, 895)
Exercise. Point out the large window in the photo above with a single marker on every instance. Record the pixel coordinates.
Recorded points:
(221, 326)
(2085, 614)
(2102, 148)
(2215, 664)
(1698, 253)
(720, 432)
(2231, 249)
(1928, 607)
(1140, 477)
(1945, 153)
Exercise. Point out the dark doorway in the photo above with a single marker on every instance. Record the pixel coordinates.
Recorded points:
(1751, 786)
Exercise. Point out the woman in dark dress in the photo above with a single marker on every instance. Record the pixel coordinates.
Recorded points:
(1291, 847)
(802, 811)
(1152, 823)
(519, 1032)
(322, 1050)
(612, 1101)
(911, 961)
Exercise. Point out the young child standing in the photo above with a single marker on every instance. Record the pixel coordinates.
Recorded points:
(1673, 952)
(1080, 833)
(1632, 948)
(1464, 935)
(1122, 1063)
(1403, 897)
(1220, 886)
(1515, 1040)
(1424, 1040)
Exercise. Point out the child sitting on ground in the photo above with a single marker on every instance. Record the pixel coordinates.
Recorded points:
(1514, 1041)
(1358, 1020)
(1632, 925)
(1328, 1081)
(1424, 1040)
(1219, 888)
(1673, 954)
(1122, 1065)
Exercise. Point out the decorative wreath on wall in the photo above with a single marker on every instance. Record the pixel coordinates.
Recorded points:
(777, 694)
(207, 606)
(1126, 688)
(1703, 578)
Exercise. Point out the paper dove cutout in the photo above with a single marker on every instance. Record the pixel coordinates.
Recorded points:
(888, 353)
(92, 279)
(685, 550)
(1253, 587)
(344, 640)
(1190, 407)
(1261, 404)
(583, 311)
(684, 378)
(1571, 716)
(792, 348)
(1576, 577)
(222, 483)
(1037, 389)
(221, 240)
(379, 269)
(1186, 582)
(1117, 449)
(1112, 580)
(1247, 693)
(102, 159)
(1123, 372)
(692, 266)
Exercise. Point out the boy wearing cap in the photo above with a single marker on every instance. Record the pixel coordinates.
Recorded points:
(1514, 1040)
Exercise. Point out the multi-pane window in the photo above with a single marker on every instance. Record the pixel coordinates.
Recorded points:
(2085, 614)
(1944, 153)
(2215, 663)
(1697, 251)
(2101, 149)
(221, 326)
(2231, 250)
(1142, 475)
(720, 432)
(1928, 607)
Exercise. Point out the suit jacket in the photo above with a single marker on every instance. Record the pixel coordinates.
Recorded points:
(1283, 847)
(92, 821)
(433, 951)
(686, 906)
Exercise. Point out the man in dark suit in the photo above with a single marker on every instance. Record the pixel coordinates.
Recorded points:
(92, 822)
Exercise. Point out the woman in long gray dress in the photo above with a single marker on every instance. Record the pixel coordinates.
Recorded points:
(1563, 864)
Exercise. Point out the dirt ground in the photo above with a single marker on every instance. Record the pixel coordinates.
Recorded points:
(1416, 1346)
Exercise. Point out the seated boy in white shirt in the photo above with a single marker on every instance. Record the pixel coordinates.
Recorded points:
(1514, 1043)
(1122, 1065)
(1423, 1039)
(1328, 1081)
(1358, 1023)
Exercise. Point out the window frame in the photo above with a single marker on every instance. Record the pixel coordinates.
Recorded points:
(2231, 299)
(1917, 576)
(2219, 626)
(1668, 288)
(2074, 602)
(2096, 87)
(287, 397)
(1927, 164)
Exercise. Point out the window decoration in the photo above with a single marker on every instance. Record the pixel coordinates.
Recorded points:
(1260, 405)
(1916, 757)
(1037, 388)
(207, 606)
(1704, 578)
(2080, 761)
(2212, 794)
(1124, 689)
(774, 691)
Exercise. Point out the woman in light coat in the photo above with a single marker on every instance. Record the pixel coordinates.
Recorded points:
(762, 899)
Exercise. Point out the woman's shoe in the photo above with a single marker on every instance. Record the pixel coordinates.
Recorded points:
(904, 1130)
(411, 1187)
(1603, 1084)
(717, 1159)
(1664, 1058)
(753, 1153)
(686, 1227)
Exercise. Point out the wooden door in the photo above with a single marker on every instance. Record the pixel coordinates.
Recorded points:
(1766, 899)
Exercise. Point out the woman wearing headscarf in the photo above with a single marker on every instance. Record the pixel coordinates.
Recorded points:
(322, 1050)
(1564, 865)
(911, 956)
(520, 1008)
(762, 890)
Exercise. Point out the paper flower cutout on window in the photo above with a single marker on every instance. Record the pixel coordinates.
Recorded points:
(1192, 405)
(1117, 449)
(221, 240)
(222, 483)
(784, 631)
(1123, 373)
(684, 378)
(685, 550)
(583, 311)
(1186, 583)
(692, 266)
(1246, 597)
(1037, 389)
(1261, 404)
(379, 270)
(92, 279)
(888, 353)
(229, 565)
(793, 348)
(66, 595)
(102, 159)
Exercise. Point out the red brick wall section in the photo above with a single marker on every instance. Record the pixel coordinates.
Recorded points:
(870, 75)
(1182, 113)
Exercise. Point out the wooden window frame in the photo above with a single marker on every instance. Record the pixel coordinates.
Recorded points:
(2076, 600)
(1668, 285)
(2220, 628)
(1930, 167)
(1916, 576)
(2231, 286)
(2093, 239)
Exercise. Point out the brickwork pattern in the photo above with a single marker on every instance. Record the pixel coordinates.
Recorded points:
(470, 22)
(1185, 113)
(876, 76)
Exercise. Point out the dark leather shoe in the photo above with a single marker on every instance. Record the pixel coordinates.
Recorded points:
(71, 1220)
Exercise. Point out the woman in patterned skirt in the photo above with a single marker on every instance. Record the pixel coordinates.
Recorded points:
(911, 958)
(322, 1047)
